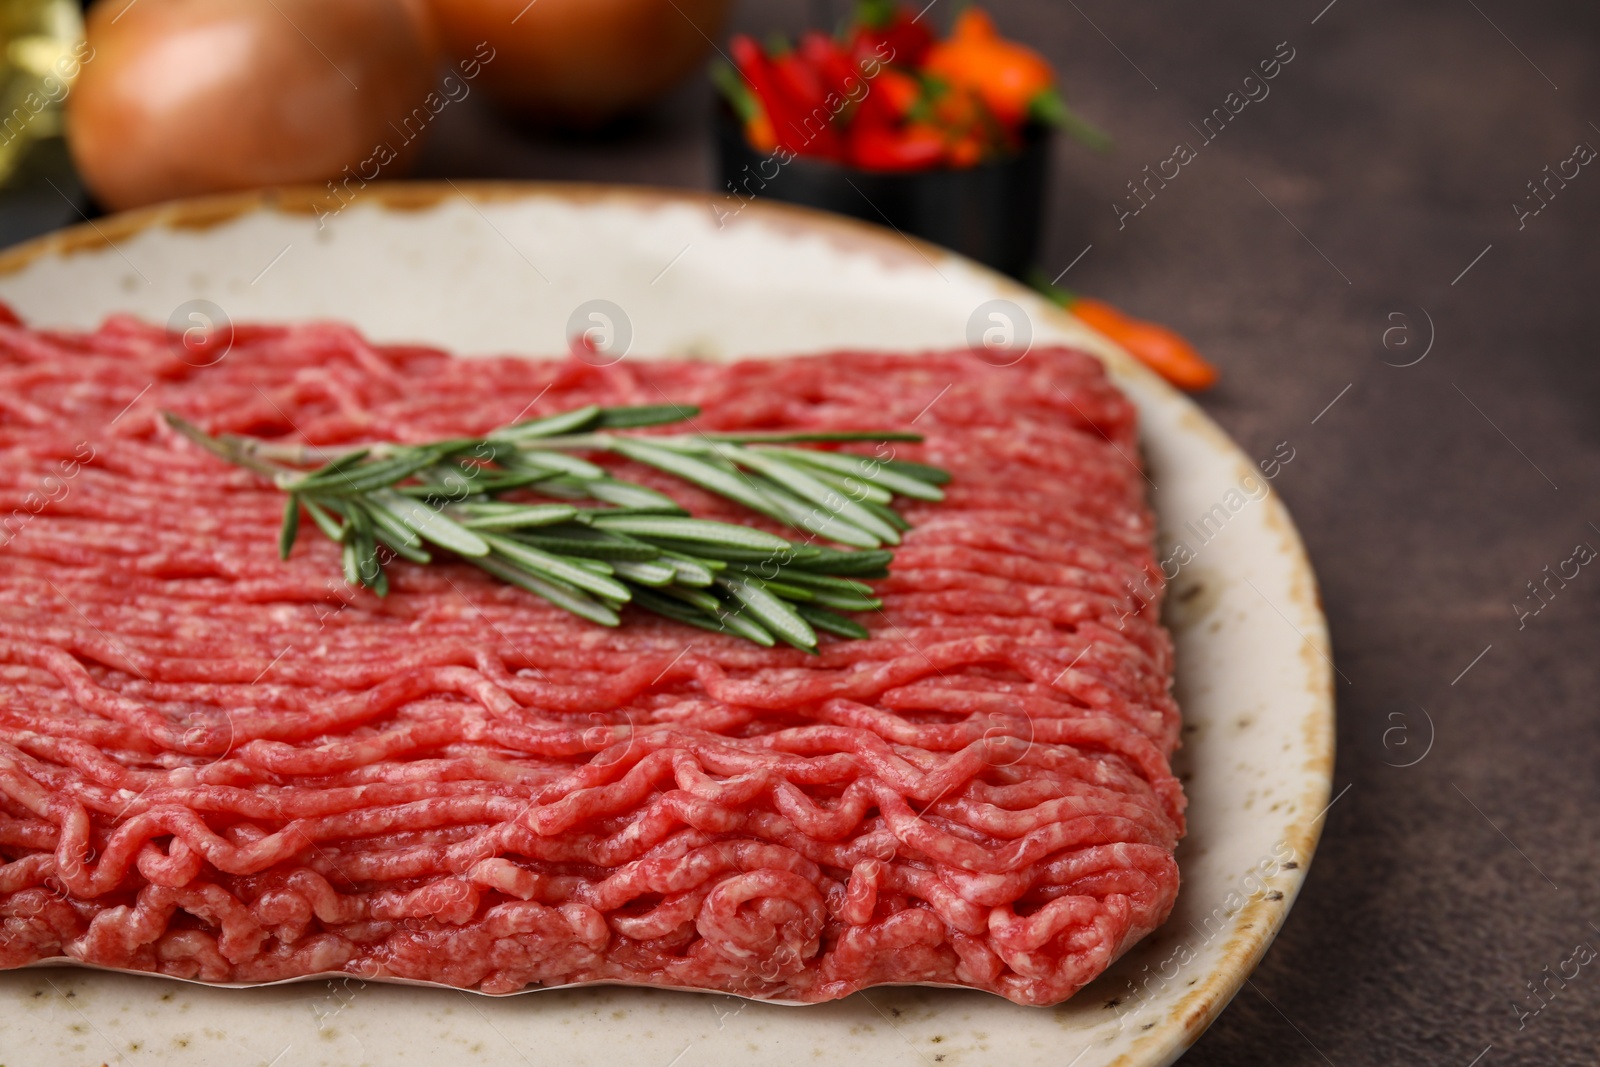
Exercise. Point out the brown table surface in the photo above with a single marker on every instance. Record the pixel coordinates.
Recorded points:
(1373, 189)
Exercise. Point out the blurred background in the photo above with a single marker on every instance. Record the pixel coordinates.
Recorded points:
(1382, 233)
(178, 98)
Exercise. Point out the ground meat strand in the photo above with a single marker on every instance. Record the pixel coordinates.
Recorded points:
(222, 767)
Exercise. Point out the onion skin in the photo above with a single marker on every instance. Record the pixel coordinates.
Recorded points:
(581, 63)
(186, 97)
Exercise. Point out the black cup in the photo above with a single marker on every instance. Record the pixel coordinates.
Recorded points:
(991, 212)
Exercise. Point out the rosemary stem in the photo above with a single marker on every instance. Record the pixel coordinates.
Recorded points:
(234, 451)
(300, 455)
(573, 442)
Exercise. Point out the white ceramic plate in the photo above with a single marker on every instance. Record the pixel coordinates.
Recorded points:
(502, 268)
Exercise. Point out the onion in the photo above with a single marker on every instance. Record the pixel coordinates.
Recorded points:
(184, 97)
(581, 62)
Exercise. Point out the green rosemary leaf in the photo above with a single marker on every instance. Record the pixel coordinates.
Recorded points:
(771, 611)
(436, 495)
(473, 509)
(817, 437)
(848, 564)
(479, 447)
(558, 593)
(798, 481)
(559, 462)
(565, 487)
(692, 530)
(550, 425)
(784, 589)
(360, 521)
(693, 469)
(627, 418)
(717, 618)
(883, 474)
(793, 576)
(652, 574)
(693, 572)
(415, 553)
(730, 617)
(351, 561)
(626, 512)
(685, 444)
(344, 462)
(740, 625)
(828, 598)
(379, 582)
(920, 471)
(365, 477)
(513, 516)
(549, 565)
(330, 527)
(613, 551)
(817, 520)
(887, 515)
(579, 529)
(433, 525)
(706, 552)
(484, 454)
(395, 533)
(509, 480)
(699, 598)
(690, 554)
(636, 497)
(823, 619)
(370, 523)
(291, 526)
(679, 612)
(468, 479)
(795, 479)
(362, 548)
(851, 485)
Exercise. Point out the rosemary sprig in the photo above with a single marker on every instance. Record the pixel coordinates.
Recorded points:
(384, 501)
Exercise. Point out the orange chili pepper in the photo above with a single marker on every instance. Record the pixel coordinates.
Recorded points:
(1161, 349)
(758, 131)
(1006, 75)
(974, 24)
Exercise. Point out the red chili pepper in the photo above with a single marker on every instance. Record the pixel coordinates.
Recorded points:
(897, 26)
(883, 148)
(760, 74)
(830, 62)
(799, 80)
(890, 98)
(815, 134)
(8, 317)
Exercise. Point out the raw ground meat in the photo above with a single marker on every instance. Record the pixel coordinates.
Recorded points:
(223, 767)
